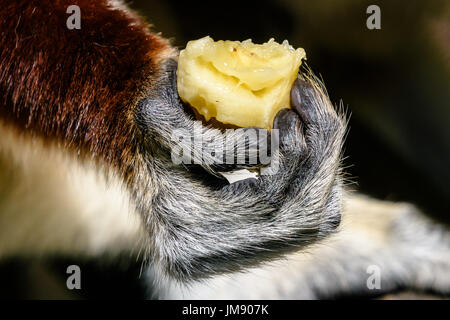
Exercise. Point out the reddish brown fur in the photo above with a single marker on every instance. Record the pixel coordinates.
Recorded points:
(78, 86)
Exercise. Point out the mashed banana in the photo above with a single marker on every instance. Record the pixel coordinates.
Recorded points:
(238, 83)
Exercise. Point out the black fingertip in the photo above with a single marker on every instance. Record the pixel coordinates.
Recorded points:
(302, 100)
(281, 119)
(286, 119)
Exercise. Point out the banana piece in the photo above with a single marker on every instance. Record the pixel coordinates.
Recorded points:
(238, 83)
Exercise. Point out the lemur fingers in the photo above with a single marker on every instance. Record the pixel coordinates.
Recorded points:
(317, 177)
(200, 228)
(165, 119)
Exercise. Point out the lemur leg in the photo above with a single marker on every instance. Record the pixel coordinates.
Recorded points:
(393, 240)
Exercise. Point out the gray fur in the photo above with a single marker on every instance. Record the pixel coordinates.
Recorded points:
(410, 251)
(198, 230)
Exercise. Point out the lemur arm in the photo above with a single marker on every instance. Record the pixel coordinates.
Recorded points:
(381, 247)
(226, 228)
(105, 93)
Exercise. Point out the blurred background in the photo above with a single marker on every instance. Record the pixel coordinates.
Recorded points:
(395, 83)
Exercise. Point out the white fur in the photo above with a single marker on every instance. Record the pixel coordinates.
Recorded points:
(51, 202)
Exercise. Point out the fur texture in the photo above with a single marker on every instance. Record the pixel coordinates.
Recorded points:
(107, 92)
(408, 250)
(87, 118)
(77, 87)
(223, 228)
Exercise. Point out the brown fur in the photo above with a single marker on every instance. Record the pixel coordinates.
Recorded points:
(79, 86)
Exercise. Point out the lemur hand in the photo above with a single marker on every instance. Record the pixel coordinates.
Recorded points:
(200, 226)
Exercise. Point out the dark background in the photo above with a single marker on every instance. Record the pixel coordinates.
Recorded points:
(394, 83)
